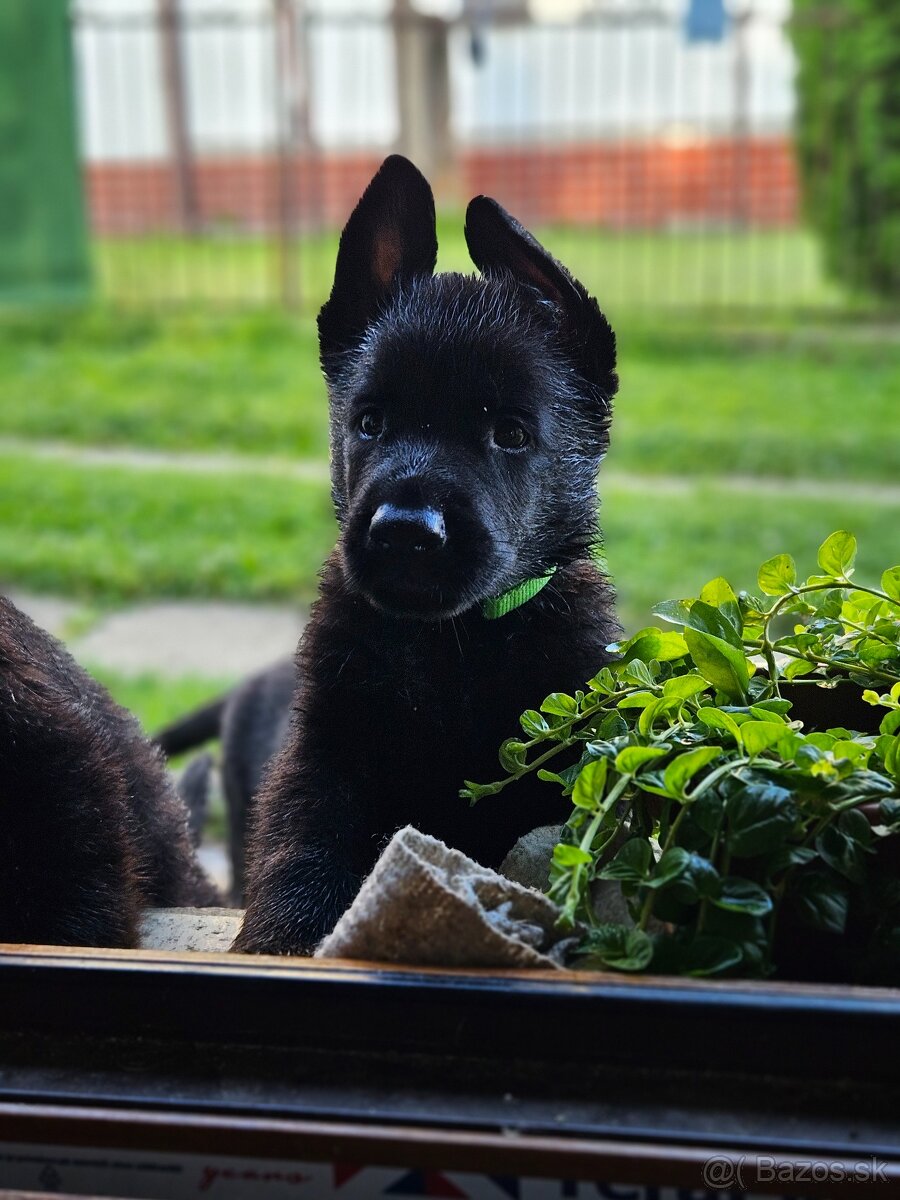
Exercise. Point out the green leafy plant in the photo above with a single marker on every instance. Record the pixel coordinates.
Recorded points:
(725, 822)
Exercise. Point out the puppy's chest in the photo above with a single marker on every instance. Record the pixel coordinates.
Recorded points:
(425, 695)
(444, 701)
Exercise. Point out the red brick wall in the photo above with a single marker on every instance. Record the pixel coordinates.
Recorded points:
(128, 198)
(643, 185)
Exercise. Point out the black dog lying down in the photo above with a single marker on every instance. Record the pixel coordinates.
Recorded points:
(91, 830)
(469, 415)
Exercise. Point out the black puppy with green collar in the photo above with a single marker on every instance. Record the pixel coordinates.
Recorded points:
(469, 416)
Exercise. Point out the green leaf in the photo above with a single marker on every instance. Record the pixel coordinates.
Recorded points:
(673, 863)
(560, 705)
(771, 710)
(874, 653)
(723, 665)
(677, 612)
(660, 707)
(714, 718)
(650, 643)
(699, 615)
(682, 769)
(551, 777)
(590, 784)
(696, 879)
(856, 752)
(891, 722)
(473, 792)
(604, 682)
(685, 686)
(512, 756)
(636, 673)
(720, 594)
(742, 895)
(708, 955)
(632, 862)
(760, 817)
(890, 582)
(798, 666)
(831, 603)
(617, 946)
(533, 723)
(570, 856)
(844, 846)
(890, 755)
(707, 619)
(822, 900)
(636, 700)
(612, 726)
(759, 736)
(837, 554)
(707, 812)
(787, 856)
(777, 575)
(630, 760)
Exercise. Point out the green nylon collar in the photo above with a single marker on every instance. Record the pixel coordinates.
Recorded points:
(515, 597)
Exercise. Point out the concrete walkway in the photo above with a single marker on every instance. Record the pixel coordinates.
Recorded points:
(315, 470)
(174, 638)
(139, 458)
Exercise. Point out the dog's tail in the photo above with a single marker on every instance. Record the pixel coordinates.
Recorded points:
(197, 727)
(194, 785)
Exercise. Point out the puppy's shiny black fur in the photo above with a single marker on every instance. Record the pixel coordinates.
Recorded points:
(469, 416)
(91, 830)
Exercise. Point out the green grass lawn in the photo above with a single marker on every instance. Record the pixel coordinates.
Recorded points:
(155, 699)
(115, 534)
(186, 382)
(750, 394)
(627, 269)
(692, 402)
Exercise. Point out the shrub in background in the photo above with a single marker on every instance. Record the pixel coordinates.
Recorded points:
(848, 135)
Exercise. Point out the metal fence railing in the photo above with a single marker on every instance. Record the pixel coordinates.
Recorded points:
(225, 141)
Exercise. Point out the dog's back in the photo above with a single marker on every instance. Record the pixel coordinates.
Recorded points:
(91, 830)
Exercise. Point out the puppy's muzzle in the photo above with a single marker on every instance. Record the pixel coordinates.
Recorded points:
(398, 530)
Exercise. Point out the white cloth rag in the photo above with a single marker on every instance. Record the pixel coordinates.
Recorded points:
(428, 905)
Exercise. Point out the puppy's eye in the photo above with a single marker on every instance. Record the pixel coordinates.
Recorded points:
(510, 436)
(371, 423)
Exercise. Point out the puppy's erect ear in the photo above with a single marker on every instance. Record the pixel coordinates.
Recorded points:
(499, 244)
(389, 239)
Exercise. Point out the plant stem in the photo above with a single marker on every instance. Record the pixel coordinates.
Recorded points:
(562, 743)
(647, 909)
(844, 667)
(869, 633)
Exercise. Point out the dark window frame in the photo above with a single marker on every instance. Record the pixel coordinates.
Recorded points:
(556, 1074)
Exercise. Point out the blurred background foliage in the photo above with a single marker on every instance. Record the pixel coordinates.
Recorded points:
(848, 136)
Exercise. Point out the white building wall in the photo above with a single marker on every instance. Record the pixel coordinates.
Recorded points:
(541, 82)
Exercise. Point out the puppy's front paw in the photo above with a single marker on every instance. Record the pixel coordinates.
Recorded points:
(295, 899)
(254, 939)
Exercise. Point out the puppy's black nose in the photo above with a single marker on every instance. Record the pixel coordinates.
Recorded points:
(407, 529)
